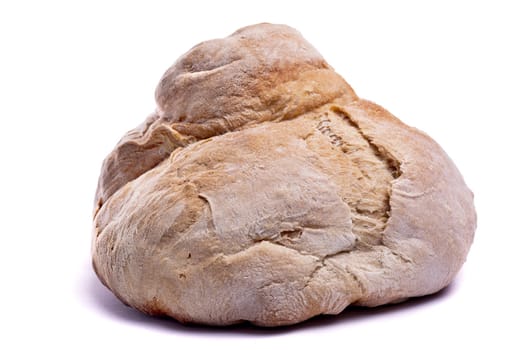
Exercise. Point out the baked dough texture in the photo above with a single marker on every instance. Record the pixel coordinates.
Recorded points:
(264, 190)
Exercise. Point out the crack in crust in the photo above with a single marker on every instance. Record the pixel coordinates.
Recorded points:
(391, 163)
(364, 171)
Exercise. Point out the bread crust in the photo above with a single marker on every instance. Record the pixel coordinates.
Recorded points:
(264, 190)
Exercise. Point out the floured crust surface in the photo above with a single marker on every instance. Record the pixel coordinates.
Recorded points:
(264, 190)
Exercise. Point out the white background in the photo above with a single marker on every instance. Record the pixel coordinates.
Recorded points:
(75, 76)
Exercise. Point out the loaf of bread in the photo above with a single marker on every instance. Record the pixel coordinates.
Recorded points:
(264, 190)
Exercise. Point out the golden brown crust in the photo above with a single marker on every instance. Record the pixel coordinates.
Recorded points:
(264, 190)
